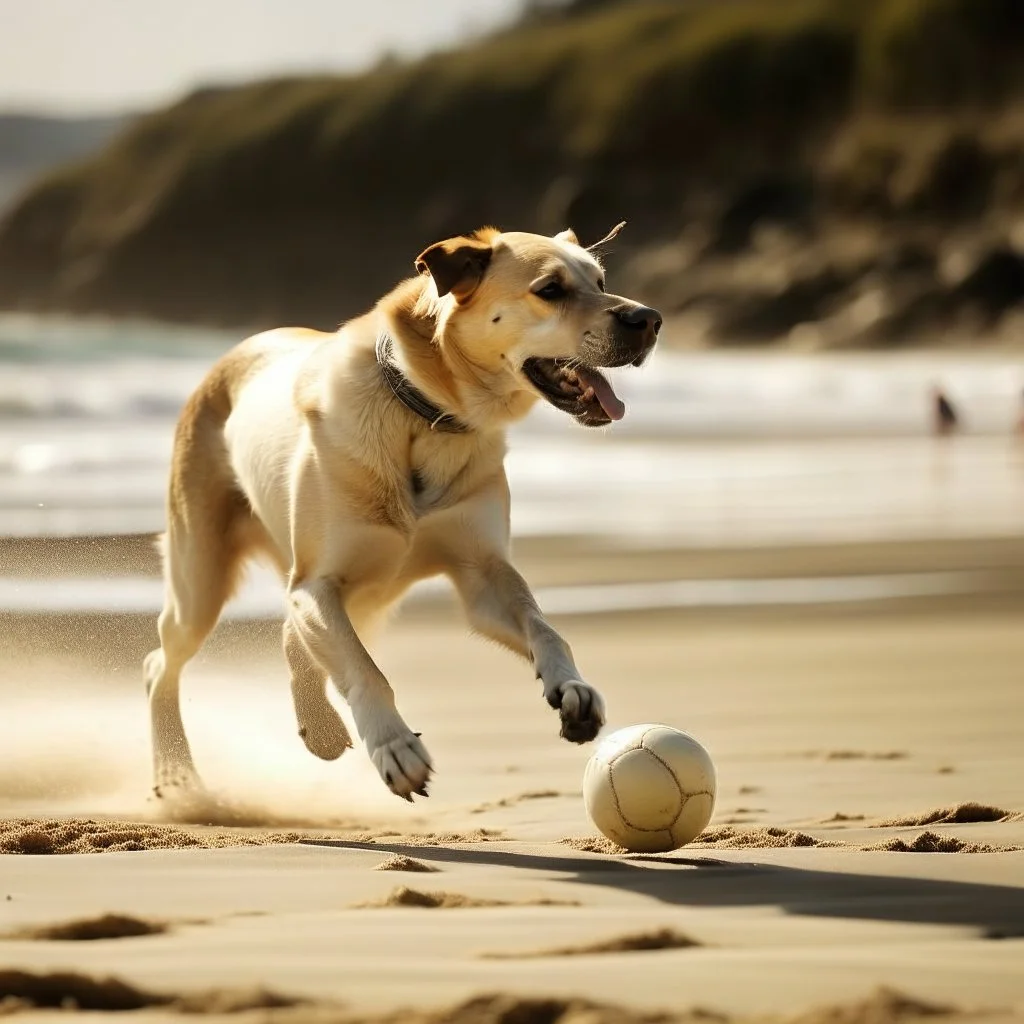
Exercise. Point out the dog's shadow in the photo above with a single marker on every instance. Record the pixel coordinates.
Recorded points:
(699, 881)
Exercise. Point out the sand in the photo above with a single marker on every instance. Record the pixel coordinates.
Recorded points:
(663, 938)
(397, 862)
(403, 896)
(68, 991)
(93, 929)
(281, 895)
(932, 842)
(77, 835)
(965, 812)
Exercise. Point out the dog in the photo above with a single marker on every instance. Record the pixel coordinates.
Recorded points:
(362, 461)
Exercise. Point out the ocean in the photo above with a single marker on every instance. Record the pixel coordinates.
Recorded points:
(717, 448)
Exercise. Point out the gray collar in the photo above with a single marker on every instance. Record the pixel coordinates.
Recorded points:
(410, 396)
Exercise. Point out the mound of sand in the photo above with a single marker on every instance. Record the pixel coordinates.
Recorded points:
(107, 926)
(932, 842)
(767, 838)
(722, 838)
(88, 835)
(479, 835)
(592, 844)
(406, 897)
(959, 814)
(884, 1006)
(664, 938)
(68, 990)
(397, 862)
(507, 1009)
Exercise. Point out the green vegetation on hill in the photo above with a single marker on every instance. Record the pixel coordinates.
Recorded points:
(304, 199)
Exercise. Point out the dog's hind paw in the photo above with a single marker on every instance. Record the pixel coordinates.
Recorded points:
(581, 709)
(176, 783)
(325, 735)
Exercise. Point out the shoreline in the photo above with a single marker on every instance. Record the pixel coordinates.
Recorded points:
(548, 560)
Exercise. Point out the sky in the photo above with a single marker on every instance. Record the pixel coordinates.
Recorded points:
(106, 56)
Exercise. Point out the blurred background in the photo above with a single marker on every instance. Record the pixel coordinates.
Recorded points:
(825, 197)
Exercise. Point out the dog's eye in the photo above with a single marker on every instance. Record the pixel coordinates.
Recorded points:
(551, 291)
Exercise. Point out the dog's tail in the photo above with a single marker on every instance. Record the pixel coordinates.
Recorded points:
(160, 544)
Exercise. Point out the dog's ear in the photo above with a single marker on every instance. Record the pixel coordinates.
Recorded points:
(568, 235)
(457, 265)
(613, 234)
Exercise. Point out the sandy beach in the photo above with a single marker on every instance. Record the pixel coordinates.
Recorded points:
(772, 554)
(783, 274)
(844, 733)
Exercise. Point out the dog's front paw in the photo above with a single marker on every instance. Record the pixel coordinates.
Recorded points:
(581, 709)
(403, 764)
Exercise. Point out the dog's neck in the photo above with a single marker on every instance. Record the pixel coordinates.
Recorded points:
(409, 395)
(432, 360)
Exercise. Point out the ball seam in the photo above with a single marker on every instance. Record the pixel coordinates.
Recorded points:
(618, 806)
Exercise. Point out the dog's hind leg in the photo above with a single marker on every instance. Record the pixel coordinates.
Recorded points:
(195, 592)
(320, 725)
(210, 531)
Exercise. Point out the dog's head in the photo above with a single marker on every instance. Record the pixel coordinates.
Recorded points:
(531, 314)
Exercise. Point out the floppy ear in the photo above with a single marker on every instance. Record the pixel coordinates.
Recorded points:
(568, 235)
(457, 265)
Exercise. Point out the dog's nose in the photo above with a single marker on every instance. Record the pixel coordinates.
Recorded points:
(641, 317)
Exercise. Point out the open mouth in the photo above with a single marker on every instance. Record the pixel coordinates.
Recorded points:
(579, 390)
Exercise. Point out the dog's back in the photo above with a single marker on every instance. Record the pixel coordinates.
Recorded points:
(205, 497)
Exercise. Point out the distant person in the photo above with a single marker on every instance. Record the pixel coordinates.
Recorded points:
(944, 416)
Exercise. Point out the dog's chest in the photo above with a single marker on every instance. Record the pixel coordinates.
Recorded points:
(442, 470)
(428, 494)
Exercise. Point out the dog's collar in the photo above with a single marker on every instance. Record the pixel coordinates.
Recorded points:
(409, 395)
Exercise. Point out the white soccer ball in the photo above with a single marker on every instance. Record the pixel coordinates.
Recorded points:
(650, 788)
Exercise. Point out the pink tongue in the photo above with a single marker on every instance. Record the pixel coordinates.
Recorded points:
(610, 402)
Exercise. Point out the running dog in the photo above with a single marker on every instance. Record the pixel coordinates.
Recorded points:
(362, 461)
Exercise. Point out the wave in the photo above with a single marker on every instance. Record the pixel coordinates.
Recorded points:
(73, 369)
(714, 444)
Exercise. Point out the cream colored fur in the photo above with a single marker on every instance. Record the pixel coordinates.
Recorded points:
(294, 448)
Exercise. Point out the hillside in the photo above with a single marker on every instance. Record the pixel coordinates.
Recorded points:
(857, 164)
(31, 144)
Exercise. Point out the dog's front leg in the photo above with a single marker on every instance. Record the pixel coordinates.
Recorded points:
(499, 604)
(317, 612)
